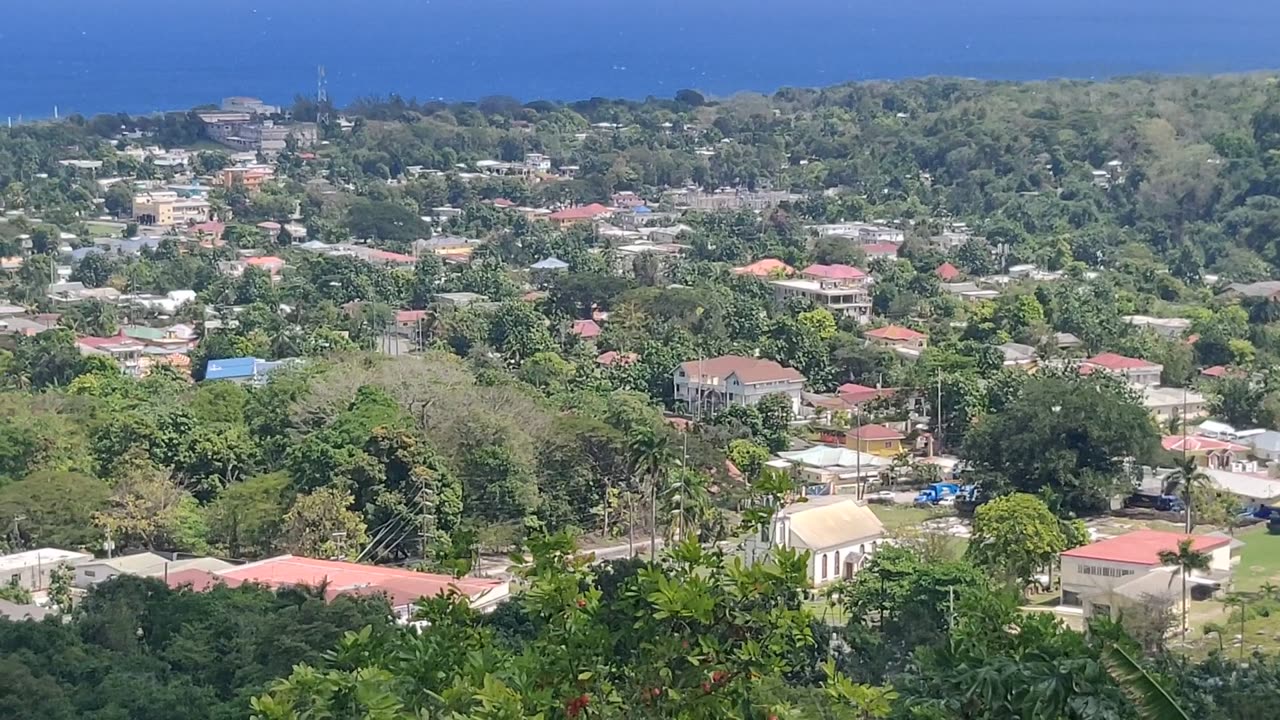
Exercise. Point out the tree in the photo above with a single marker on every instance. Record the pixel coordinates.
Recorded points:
(145, 508)
(775, 420)
(58, 506)
(747, 456)
(60, 582)
(1188, 480)
(650, 453)
(700, 638)
(118, 200)
(1014, 537)
(47, 359)
(321, 524)
(1068, 436)
(15, 593)
(1186, 559)
(245, 518)
(94, 270)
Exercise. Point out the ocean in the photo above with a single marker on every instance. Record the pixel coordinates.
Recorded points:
(147, 55)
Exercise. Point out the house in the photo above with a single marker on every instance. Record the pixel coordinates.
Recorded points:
(1166, 404)
(168, 208)
(841, 289)
(1018, 355)
(947, 272)
(1216, 372)
(551, 264)
(210, 231)
(581, 213)
(969, 291)
(585, 329)
(447, 247)
(459, 299)
(1253, 491)
(1067, 341)
(827, 469)
(143, 564)
(1134, 370)
(838, 532)
(1094, 576)
(708, 386)
(766, 268)
(1266, 445)
(402, 587)
(245, 370)
(875, 440)
(14, 612)
(1168, 328)
(899, 339)
(74, 292)
(250, 178)
(32, 569)
(124, 351)
(1208, 452)
(615, 358)
(855, 394)
(1264, 290)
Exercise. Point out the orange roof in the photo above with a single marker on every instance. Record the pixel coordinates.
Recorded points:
(947, 272)
(613, 357)
(1143, 547)
(765, 268)
(855, 394)
(1216, 371)
(895, 332)
(834, 272)
(582, 212)
(585, 328)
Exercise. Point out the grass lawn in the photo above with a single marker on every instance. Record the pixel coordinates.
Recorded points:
(900, 516)
(1259, 560)
(827, 612)
(104, 229)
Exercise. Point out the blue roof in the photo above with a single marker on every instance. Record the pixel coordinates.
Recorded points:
(230, 368)
(641, 209)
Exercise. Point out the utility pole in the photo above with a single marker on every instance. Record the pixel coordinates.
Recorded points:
(1186, 479)
(857, 451)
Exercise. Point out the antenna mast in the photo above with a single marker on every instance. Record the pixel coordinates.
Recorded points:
(322, 96)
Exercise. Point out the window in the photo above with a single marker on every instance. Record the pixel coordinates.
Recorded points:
(1101, 610)
(15, 578)
(1101, 571)
(1070, 598)
(90, 573)
(888, 444)
(837, 563)
(824, 566)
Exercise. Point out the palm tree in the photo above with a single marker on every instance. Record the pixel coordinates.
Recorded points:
(1150, 700)
(1186, 559)
(1186, 479)
(650, 453)
(688, 502)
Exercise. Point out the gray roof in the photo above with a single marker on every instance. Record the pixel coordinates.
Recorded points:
(551, 263)
(1266, 288)
(17, 613)
(1269, 440)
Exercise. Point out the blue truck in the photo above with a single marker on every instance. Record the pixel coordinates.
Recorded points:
(937, 492)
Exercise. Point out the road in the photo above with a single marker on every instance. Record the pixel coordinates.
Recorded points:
(492, 565)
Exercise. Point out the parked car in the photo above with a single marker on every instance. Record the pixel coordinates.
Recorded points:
(947, 502)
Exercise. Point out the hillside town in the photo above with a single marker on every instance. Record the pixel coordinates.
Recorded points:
(551, 394)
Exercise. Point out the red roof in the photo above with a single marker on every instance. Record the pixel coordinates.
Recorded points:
(582, 212)
(403, 587)
(834, 272)
(267, 261)
(855, 394)
(895, 332)
(1143, 547)
(503, 203)
(410, 316)
(876, 432)
(1198, 443)
(585, 328)
(947, 272)
(765, 268)
(212, 227)
(1114, 361)
(613, 357)
(387, 256)
(120, 340)
(1216, 371)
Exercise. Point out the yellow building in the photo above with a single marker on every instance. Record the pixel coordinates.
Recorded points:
(875, 440)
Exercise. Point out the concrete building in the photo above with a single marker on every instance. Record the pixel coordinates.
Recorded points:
(902, 340)
(829, 469)
(144, 564)
(32, 569)
(166, 208)
(841, 289)
(708, 386)
(248, 105)
(1099, 576)
(124, 351)
(839, 533)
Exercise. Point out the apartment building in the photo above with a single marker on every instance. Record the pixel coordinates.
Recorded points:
(167, 208)
(842, 289)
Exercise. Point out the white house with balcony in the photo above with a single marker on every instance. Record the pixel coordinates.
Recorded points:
(708, 386)
(841, 289)
(839, 533)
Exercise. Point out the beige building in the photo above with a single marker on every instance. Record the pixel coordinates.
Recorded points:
(167, 208)
(839, 533)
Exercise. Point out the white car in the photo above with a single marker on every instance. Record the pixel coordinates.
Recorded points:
(947, 502)
(884, 496)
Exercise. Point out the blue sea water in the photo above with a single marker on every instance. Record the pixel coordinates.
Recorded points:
(94, 56)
